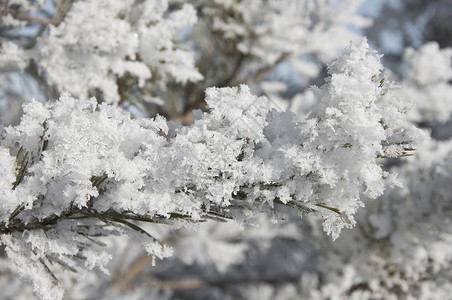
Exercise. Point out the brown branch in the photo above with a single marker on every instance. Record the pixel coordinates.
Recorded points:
(188, 284)
(62, 9)
(261, 73)
(193, 284)
(5, 9)
(121, 263)
(187, 117)
(25, 17)
(123, 281)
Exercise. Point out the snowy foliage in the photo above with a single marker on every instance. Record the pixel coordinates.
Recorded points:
(72, 161)
(236, 200)
(100, 43)
(242, 41)
(404, 238)
(268, 31)
(142, 53)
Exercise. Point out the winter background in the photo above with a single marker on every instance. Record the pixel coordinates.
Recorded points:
(225, 149)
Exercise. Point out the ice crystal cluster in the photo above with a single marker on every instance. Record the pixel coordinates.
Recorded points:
(75, 170)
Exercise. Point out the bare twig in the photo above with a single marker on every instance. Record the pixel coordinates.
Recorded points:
(187, 117)
(5, 9)
(262, 72)
(122, 283)
(25, 17)
(193, 284)
(62, 11)
(189, 284)
(123, 280)
(122, 261)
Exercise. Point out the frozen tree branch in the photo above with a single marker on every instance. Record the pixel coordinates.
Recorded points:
(89, 169)
(79, 172)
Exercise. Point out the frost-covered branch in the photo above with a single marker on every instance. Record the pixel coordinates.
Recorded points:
(75, 170)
